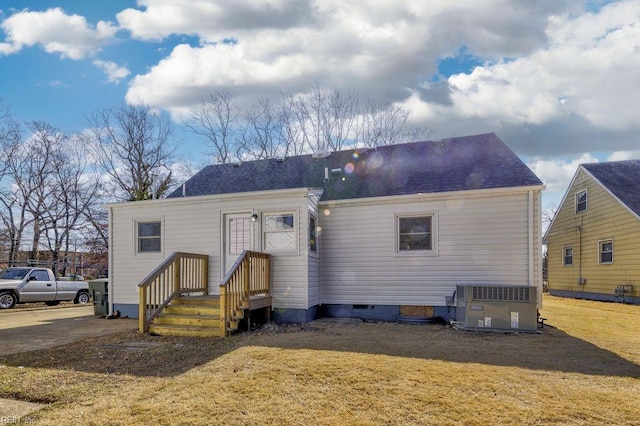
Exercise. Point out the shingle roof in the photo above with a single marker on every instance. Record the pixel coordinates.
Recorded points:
(622, 178)
(456, 164)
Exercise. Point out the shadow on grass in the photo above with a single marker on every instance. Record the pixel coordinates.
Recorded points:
(553, 350)
(155, 356)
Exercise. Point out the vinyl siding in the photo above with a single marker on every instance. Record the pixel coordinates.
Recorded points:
(194, 225)
(605, 218)
(479, 240)
(313, 261)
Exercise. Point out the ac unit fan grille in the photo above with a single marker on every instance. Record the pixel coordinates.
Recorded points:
(507, 294)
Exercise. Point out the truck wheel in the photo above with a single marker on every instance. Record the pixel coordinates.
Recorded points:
(52, 303)
(82, 297)
(7, 300)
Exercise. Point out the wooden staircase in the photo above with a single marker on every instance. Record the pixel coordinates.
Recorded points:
(174, 298)
(197, 316)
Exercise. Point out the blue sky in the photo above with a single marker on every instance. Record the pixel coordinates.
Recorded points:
(557, 81)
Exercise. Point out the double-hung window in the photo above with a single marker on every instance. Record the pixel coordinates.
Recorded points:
(567, 256)
(581, 201)
(415, 233)
(149, 237)
(605, 249)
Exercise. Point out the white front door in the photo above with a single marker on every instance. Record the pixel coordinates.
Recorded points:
(238, 237)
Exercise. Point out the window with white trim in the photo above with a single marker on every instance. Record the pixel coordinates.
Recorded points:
(415, 233)
(149, 237)
(313, 234)
(279, 232)
(567, 256)
(581, 201)
(605, 249)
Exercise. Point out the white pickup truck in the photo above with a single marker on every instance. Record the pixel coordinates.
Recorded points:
(26, 285)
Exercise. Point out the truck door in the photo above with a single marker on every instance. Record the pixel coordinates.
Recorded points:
(38, 287)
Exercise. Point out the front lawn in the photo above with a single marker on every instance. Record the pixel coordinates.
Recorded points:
(583, 370)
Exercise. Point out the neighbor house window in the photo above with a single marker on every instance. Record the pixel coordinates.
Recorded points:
(581, 201)
(415, 233)
(567, 256)
(279, 232)
(313, 234)
(149, 237)
(606, 251)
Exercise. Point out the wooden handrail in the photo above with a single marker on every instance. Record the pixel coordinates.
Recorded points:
(249, 276)
(180, 273)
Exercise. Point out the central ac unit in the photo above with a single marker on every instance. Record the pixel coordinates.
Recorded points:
(499, 307)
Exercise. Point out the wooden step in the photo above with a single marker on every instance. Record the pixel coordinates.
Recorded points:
(188, 319)
(213, 301)
(184, 330)
(192, 309)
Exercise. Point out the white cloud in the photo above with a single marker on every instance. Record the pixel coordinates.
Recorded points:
(68, 35)
(8, 48)
(556, 174)
(57, 83)
(624, 155)
(586, 71)
(114, 72)
(211, 20)
(383, 47)
(561, 80)
(574, 94)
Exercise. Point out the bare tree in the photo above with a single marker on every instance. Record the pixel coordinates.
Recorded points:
(327, 118)
(291, 126)
(320, 120)
(332, 120)
(384, 123)
(48, 193)
(548, 214)
(262, 133)
(68, 190)
(14, 192)
(215, 119)
(132, 145)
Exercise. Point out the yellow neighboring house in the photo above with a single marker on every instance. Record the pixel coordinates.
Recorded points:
(593, 241)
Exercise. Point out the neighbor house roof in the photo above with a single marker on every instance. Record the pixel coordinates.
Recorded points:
(621, 178)
(456, 164)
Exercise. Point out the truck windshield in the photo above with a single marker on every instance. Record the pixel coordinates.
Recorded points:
(14, 273)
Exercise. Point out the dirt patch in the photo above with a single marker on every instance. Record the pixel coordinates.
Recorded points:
(132, 346)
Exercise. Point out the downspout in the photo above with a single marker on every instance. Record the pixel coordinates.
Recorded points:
(535, 250)
(110, 274)
(531, 238)
(580, 279)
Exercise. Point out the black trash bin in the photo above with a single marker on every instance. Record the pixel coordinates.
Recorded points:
(99, 291)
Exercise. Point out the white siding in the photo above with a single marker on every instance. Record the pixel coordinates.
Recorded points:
(479, 240)
(313, 274)
(194, 225)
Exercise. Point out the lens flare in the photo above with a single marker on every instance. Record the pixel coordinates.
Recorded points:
(349, 168)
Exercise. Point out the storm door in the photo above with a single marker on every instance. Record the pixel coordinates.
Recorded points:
(238, 237)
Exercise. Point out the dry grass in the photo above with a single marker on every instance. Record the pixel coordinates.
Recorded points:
(584, 370)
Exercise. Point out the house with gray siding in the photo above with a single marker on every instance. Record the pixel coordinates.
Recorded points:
(368, 233)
